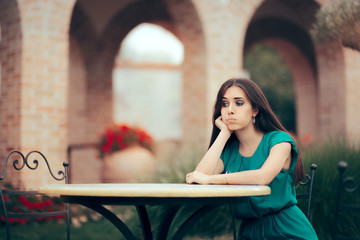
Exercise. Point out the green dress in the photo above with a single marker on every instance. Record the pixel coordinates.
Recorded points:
(274, 216)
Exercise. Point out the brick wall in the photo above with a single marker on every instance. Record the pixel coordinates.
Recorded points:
(56, 73)
(10, 97)
(34, 84)
(331, 90)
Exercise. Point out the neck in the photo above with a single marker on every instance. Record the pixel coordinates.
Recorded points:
(249, 139)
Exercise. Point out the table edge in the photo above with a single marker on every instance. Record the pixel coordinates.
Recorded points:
(61, 189)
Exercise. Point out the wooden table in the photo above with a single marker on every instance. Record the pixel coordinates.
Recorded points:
(95, 196)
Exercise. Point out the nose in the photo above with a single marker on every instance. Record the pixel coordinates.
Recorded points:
(231, 109)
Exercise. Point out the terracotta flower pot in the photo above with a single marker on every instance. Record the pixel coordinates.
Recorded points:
(127, 165)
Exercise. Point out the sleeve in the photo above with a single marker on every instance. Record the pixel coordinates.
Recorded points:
(279, 137)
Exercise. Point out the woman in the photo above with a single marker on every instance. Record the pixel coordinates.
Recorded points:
(249, 145)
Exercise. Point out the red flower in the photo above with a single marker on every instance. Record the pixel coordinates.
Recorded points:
(29, 204)
(22, 220)
(121, 136)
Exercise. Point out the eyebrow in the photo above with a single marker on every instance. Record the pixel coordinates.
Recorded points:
(236, 98)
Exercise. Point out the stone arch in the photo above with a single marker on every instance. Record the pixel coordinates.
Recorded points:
(285, 27)
(95, 50)
(93, 53)
(305, 87)
(99, 51)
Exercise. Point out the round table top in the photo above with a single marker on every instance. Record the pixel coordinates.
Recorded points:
(154, 190)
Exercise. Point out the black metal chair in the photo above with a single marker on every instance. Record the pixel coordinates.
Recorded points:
(346, 186)
(307, 181)
(19, 162)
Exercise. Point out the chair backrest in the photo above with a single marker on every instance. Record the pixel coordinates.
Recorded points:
(346, 186)
(308, 182)
(19, 162)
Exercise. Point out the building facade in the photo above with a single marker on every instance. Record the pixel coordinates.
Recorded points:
(57, 58)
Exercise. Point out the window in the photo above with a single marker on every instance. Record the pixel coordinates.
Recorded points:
(147, 81)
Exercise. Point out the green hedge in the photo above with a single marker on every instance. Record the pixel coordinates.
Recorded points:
(327, 156)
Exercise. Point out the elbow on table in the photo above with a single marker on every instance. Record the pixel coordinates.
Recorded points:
(263, 180)
(263, 177)
(257, 181)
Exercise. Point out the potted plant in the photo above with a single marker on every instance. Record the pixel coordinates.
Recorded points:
(127, 153)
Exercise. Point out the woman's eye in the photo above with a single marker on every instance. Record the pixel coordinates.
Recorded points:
(225, 104)
(239, 103)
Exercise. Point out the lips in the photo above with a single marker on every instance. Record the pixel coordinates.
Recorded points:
(231, 120)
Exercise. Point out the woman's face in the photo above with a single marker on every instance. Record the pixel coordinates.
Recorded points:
(236, 111)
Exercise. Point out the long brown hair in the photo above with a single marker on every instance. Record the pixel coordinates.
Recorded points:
(266, 120)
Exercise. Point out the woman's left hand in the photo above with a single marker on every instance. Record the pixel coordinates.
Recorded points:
(197, 177)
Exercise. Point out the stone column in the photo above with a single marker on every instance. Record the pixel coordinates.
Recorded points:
(10, 80)
(44, 80)
(352, 97)
(224, 24)
(331, 89)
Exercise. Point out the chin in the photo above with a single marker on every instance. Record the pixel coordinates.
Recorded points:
(233, 127)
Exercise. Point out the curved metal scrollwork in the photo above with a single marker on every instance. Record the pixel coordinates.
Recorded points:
(349, 185)
(22, 161)
(306, 180)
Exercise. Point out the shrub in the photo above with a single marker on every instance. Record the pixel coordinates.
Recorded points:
(327, 156)
(28, 204)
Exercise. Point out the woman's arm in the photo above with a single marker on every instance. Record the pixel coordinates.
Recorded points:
(279, 158)
(211, 162)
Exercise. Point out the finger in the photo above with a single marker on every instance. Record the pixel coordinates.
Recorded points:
(189, 181)
(219, 119)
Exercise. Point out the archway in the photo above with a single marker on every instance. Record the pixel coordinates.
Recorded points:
(305, 88)
(283, 27)
(95, 51)
(147, 82)
(270, 71)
